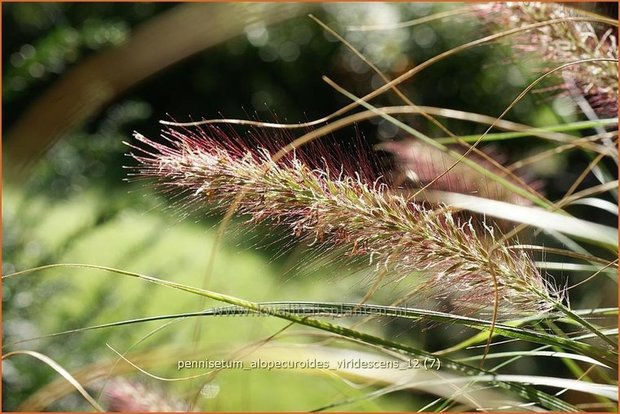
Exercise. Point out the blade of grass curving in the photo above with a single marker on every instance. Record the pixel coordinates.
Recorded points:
(457, 156)
(410, 23)
(581, 229)
(597, 203)
(511, 329)
(483, 336)
(300, 311)
(444, 55)
(150, 375)
(573, 367)
(561, 252)
(484, 40)
(500, 180)
(523, 390)
(128, 350)
(554, 133)
(534, 353)
(430, 118)
(88, 374)
(61, 371)
(504, 136)
(596, 331)
(601, 150)
(574, 267)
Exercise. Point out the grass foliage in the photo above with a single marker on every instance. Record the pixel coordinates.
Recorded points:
(456, 258)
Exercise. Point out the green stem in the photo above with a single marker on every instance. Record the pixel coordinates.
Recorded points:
(502, 136)
(572, 365)
(586, 324)
(524, 391)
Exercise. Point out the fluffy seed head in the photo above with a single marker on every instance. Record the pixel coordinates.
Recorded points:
(560, 43)
(327, 206)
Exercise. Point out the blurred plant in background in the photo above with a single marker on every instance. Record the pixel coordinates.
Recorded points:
(80, 78)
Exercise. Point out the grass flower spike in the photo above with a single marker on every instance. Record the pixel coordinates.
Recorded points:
(561, 43)
(347, 210)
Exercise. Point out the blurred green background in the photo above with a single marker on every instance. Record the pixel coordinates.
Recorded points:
(65, 200)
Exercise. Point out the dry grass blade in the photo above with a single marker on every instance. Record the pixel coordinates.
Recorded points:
(60, 370)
